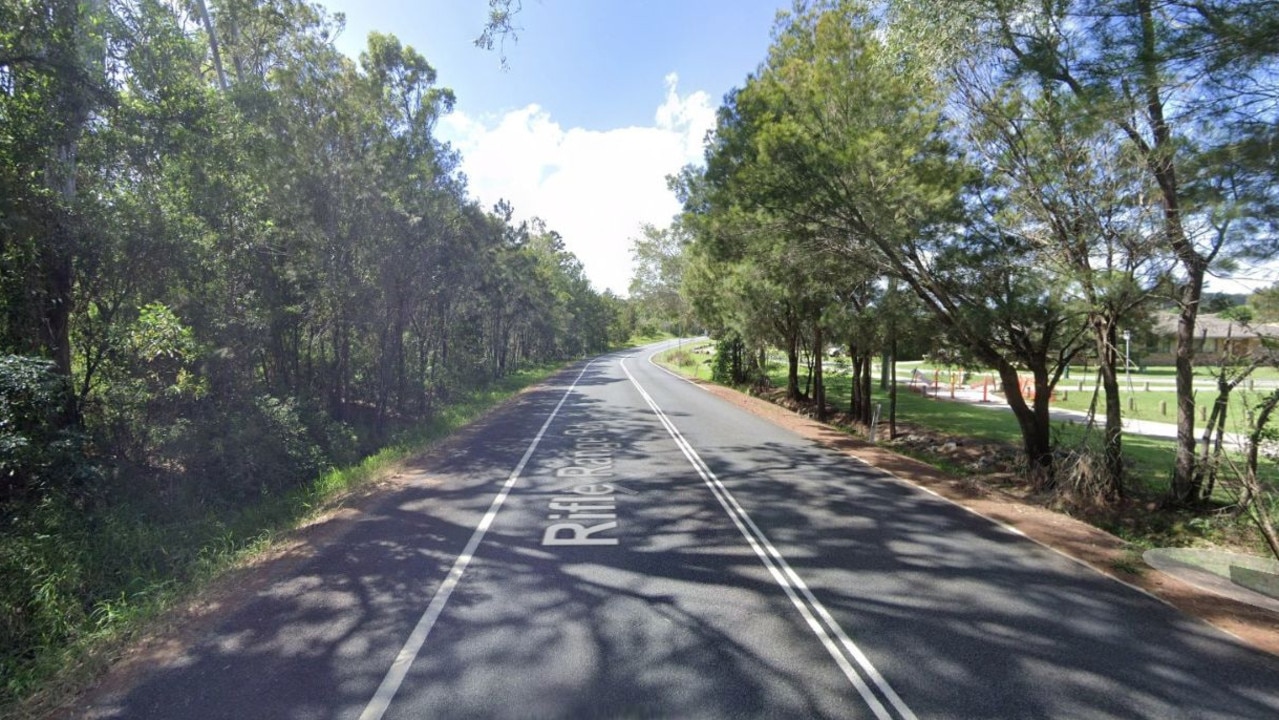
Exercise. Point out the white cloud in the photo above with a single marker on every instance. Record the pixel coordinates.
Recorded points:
(595, 188)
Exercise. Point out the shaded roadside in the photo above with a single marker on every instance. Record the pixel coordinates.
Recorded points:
(1074, 538)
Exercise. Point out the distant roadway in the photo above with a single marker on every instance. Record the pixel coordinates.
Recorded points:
(618, 543)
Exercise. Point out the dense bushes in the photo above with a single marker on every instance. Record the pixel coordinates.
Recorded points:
(39, 450)
(215, 286)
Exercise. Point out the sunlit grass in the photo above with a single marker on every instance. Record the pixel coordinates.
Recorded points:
(639, 339)
(1149, 460)
(692, 360)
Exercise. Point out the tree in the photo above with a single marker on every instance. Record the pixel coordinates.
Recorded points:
(1070, 191)
(847, 142)
(55, 79)
(1183, 83)
(1265, 304)
(658, 255)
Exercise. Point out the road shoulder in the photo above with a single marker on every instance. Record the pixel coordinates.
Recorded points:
(1076, 539)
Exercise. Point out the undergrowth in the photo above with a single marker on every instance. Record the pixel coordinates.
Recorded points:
(79, 577)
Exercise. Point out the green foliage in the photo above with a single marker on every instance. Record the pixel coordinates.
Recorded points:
(215, 285)
(1265, 304)
(255, 448)
(655, 290)
(38, 450)
(729, 363)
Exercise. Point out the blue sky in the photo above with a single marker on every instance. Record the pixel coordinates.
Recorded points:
(600, 101)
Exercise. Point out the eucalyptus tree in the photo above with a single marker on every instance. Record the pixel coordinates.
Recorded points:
(54, 80)
(658, 256)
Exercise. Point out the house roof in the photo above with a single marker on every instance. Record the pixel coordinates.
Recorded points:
(1215, 326)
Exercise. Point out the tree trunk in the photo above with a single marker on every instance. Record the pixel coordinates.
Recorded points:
(808, 379)
(792, 369)
(1185, 487)
(892, 385)
(854, 391)
(207, 20)
(58, 256)
(819, 387)
(1159, 157)
(1035, 430)
(1259, 506)
(867, 401)
(1108, 357)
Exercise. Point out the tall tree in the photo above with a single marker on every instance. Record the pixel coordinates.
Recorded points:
(658, 256)
(839, 135)
(1073, 194)
(1183, 82)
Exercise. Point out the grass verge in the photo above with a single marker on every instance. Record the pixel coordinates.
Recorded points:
(692, 360)
(1140, 521)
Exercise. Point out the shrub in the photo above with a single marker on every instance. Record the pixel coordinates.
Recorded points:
(40, 448)
(729, 366)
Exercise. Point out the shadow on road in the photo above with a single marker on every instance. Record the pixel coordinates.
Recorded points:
(681, 619)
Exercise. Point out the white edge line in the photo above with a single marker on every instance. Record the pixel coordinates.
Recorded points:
(785, 576)
(1014, 531)
(395, 675)
(670, 372)
(997, 523)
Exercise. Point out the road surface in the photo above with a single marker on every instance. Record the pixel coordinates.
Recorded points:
(619, 543)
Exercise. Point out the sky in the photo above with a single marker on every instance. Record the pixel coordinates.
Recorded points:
(600, 100)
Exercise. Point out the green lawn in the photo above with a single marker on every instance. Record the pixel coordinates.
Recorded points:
(1167, 372)
(1146, 396)
(1150, 459)
(1160, 406)
(692, 360)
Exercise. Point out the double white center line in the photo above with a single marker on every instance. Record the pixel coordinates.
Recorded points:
(850, 658)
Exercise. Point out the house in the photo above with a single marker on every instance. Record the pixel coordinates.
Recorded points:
(1215, 336)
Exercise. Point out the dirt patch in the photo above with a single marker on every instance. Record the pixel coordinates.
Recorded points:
(990, 491)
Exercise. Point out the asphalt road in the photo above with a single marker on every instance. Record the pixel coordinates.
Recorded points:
(619, 543)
